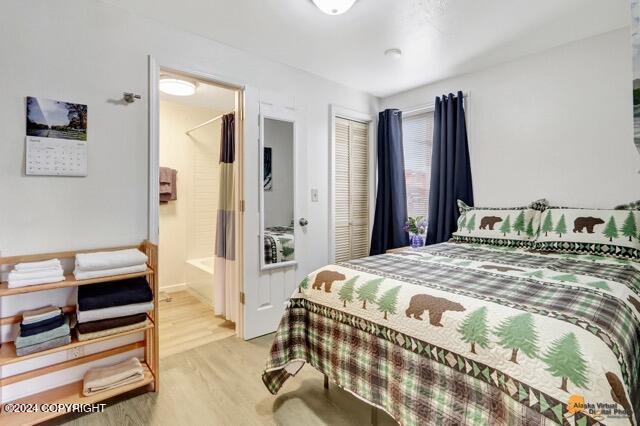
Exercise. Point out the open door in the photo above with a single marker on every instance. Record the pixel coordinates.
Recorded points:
(272, 218)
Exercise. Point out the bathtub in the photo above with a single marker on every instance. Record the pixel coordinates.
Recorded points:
(199, 277)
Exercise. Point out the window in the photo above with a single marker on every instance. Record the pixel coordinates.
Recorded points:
(351, 189)
(417, 134)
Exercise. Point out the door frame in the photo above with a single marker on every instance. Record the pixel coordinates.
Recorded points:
(336, 111)
(153, 207)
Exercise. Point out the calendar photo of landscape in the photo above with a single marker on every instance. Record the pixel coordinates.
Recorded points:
(48, 118)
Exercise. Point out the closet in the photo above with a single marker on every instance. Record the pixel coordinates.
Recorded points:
(351, 189)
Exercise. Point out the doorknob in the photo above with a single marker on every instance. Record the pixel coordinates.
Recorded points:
(303, 221)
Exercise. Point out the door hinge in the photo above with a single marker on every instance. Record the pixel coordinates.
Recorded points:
(242, 206)
(242, 297)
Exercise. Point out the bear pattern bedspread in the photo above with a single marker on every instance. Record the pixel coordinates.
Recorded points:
(470, 334)
(279, 244)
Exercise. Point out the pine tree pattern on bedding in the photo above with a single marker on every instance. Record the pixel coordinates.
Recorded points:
(473, 334)
(511, 226)
(614, 233)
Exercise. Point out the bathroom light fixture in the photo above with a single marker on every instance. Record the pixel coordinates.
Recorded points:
(334, 7)
(177, 87)
(393, 52)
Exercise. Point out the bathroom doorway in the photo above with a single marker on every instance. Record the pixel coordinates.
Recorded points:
(195, 118)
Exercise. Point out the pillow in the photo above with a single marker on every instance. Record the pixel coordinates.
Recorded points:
(604, 232)
(511, 226)
(634, 205)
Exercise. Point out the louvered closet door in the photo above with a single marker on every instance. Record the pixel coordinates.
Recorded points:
(341, 192)
(358, 189)
(351, 190)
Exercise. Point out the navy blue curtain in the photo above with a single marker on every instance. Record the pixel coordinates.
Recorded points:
(450, 168)
(391, 200)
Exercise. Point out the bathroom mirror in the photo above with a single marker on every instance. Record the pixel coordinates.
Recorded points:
(277, 180)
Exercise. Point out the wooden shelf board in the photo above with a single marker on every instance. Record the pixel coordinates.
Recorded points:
(67, 394)
(8, 350)
(12, 260)
(69, 281)
(16, 319)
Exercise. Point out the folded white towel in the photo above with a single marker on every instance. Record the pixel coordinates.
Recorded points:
(81, 274)
(30, 266)
(113, 312)
(35, 273)
(110, 259)
(35, 281)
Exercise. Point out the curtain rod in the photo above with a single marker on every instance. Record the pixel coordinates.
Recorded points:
(426, 107)
(206, 122)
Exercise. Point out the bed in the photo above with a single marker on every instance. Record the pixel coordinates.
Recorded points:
(278, 244)
(460, 333)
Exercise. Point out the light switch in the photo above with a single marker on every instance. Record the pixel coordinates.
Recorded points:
(314, 195)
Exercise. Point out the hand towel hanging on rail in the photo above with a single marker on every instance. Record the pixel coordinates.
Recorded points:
(168, 184)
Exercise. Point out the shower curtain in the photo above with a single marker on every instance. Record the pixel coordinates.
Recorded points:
(226, 290)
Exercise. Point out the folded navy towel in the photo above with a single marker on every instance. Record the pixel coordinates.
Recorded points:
(51, 324)
(43, 323)
(115, 293)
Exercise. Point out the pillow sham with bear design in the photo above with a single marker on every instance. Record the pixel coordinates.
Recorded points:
(511, 226)
(614, 233)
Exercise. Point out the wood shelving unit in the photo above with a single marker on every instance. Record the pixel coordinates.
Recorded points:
(72, 393)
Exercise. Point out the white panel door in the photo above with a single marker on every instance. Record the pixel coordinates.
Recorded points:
(266, 291)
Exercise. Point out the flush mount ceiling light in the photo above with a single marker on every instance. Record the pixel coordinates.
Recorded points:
(177, 86)
(334, 7)
(393, 53)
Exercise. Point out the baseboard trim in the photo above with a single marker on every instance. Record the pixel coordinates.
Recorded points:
(174, 288)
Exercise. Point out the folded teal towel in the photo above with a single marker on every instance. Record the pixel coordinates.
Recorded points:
(43, 346)
(35, 339)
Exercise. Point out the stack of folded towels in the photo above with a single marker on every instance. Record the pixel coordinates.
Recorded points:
(42, 329)
(109, 263)
(100, 379)
(115, 307)
(32, 273)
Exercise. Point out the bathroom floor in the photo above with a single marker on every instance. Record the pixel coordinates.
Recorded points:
(186, 323)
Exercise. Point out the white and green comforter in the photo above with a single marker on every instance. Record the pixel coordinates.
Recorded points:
(470, 334)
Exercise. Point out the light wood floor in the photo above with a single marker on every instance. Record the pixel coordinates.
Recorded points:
(215, 379)
(186, 323)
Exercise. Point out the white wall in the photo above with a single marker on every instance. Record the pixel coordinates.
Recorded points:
(187, 224)
(89, 52)
(278, 203)
(201, 228)
(556, 124)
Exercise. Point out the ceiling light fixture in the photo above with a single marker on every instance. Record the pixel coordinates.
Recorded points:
(177, 87)
(334, 7)
(393, 53)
